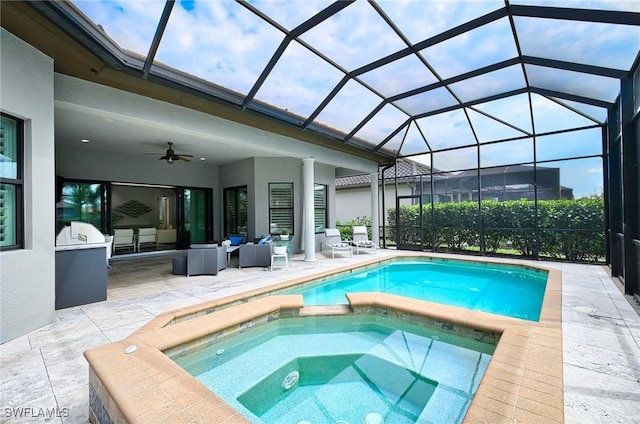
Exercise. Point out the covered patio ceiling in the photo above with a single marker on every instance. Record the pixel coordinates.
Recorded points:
(396, 78)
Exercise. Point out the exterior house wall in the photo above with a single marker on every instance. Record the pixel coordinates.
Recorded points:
(277, 170)
(351, 203)
(238, 174)
(355, 202)
(325, 174)
(31, 90)
(27, 283)
(284, 170)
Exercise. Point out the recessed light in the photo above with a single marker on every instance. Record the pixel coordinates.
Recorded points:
(85, 140)
(201, 158)
(107, 120)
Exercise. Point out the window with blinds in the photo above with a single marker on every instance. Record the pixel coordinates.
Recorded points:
(11, 183)
(235, 210)
(320, 205)
(281, 208)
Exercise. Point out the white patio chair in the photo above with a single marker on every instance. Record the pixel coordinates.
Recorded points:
(109, 240)
(361, 240)
(123, 238)
(147, 236)
(333, 241)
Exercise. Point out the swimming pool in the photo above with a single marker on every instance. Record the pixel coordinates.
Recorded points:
(512, 291)
(339, 369)
(165, 392)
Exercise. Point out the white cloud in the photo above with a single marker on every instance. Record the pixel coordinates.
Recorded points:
(514, 110)
(355, 36)
(550, 116)
(613, 46)
(399, 76)
(387, 120)
(291, 13)
(420, 20)
(350, 106)
(480, 47)
(447, 130)
(300, 81)
(227, 44)
(489, 84)
(131, 24)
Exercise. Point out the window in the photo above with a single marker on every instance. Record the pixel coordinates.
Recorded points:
(235, 210)
(11, 183)
(280, 208)
(82, 201)
(320, 213)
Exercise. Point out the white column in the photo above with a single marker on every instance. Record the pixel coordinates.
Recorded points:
(375, 220)
(308, 210)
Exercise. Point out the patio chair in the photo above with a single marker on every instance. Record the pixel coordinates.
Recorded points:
(123, 238)
(108, 239)
(254, 255)
(333, 241)
(361, 240)
(147, 236)
(206, 259)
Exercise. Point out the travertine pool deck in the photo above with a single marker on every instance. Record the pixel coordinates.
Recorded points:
(599, 334)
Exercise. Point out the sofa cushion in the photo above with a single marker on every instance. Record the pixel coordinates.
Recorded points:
(265, 239)
(204, 246)
(236, 240)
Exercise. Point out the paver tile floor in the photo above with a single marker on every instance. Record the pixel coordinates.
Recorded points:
(44, 376)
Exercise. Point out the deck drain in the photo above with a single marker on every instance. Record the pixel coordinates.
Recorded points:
(585, 309)
(130, 349)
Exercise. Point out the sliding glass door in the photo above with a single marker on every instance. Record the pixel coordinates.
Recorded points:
(196, 211)
(81, 201)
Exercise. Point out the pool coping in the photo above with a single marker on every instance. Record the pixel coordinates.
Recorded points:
(523, 382)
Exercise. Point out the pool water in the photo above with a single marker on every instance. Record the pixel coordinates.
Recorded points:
(499, 289)
(325, 382)
(348, 367)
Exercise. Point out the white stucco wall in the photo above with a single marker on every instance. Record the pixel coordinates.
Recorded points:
(27, 276)
(356, 202)
(277, 170)
(238, 174)
(352, 203)
(257, 173)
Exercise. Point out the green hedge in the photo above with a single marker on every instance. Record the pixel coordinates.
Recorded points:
(567, 229)
(346, 228)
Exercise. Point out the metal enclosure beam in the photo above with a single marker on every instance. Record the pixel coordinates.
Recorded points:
(630, 178)
(162, 25)
(614, 201)
(605, 191)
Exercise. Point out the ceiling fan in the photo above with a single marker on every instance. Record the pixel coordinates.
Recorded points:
(170, 156)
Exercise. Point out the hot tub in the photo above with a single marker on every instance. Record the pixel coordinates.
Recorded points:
(344, 368)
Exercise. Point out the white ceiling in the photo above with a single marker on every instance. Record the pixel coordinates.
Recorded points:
(114, 120)
(112, 133)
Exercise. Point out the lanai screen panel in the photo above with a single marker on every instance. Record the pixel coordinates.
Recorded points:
(365, 72)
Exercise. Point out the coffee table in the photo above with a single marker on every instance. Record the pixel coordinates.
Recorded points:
(230, 250)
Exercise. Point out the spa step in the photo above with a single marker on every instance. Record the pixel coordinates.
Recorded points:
(326, 310)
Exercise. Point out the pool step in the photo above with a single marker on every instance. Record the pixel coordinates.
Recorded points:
(326, 310)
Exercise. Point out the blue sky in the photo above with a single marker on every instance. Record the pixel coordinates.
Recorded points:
(225, 43)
